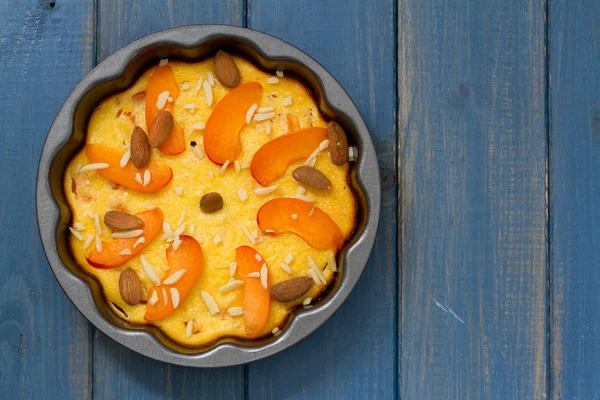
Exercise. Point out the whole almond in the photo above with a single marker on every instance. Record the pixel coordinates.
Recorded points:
(140, 148)
(161, 128)
(211, 202)
(122, 221)
(225, 70)
(311, 177)
(130, 287)
(291, 289)
(338, 144)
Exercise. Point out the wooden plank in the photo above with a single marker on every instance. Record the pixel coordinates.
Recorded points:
(120, 22)
(353, 354)
(473, 198)
(118, 372)
(574, 198)
(44, 341)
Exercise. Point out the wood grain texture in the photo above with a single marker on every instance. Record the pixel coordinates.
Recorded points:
(118, 372)
(120, 22)
(353, 355)
(44, 341)
(473, 199)
(574, 193)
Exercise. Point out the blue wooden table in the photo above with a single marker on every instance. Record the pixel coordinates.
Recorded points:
(485, 278)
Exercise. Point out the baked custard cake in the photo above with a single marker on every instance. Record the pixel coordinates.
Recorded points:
(210, 199)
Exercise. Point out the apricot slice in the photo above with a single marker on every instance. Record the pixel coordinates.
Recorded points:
(164, 80)
(273, 158)
(110, 256)
(314, 226)
(160, 172)
(175, 143)
(257, 300)
(189, 257)
(221, 134)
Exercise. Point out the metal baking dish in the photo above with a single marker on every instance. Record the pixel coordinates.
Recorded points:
(119, 71)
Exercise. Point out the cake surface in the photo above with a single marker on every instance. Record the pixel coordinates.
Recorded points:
(219, 234)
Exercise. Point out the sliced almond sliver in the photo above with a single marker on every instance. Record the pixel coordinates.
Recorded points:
(263, 116)
(264, 274)
(264, 190)
(333, 263)
(251, 112)
(235, 311)
(289, 258)
(198, 86)
(147, 178)
(76, 234)
(97, 224)
(180, 230)
(98, 244)
(88, 241)
(175, 297)
(177, 242)
(127, 234)
(125, 159)
(93, 167)
(231, 285)
(314, 277)
(188, 328)
(208, 93)
(149, 270)
(248, 235)
(210, 303)
(286, 268)
(175, 277)
(153, 299)
(223, 168)
(165, 296)
(242, 194)
(318, 272)
(162, 99)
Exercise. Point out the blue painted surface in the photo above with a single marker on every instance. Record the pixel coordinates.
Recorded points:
(44, 341)
(473, 197)
(454, 303)
(574, 198)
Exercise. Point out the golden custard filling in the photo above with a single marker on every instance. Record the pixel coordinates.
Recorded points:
(210, 199)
